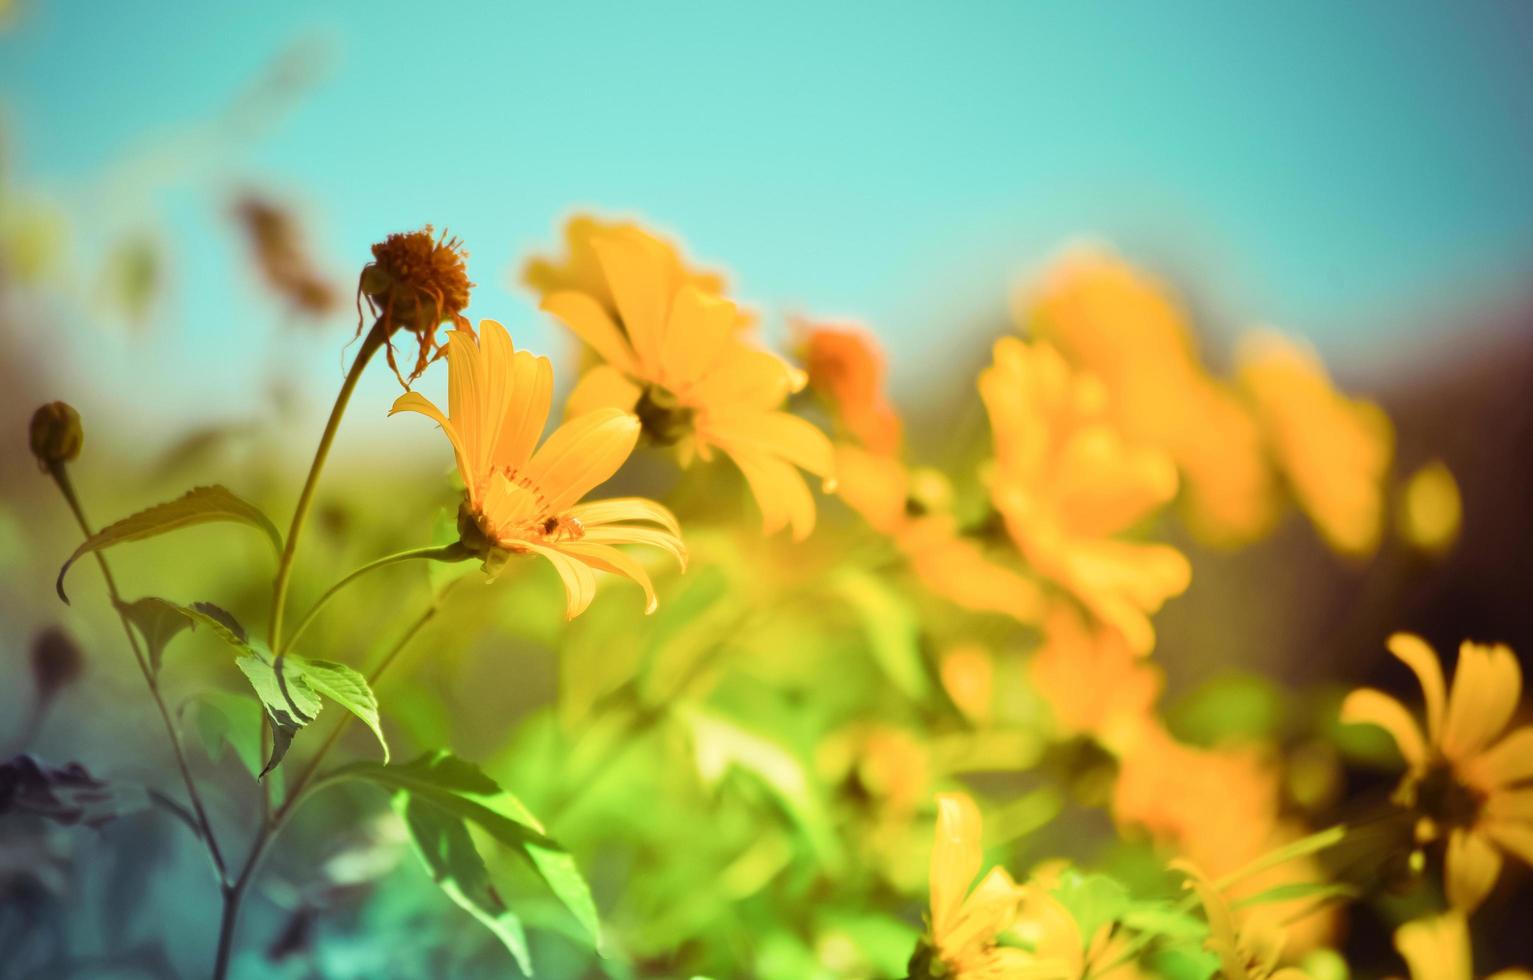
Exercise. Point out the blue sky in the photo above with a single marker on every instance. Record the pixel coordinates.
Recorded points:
(1343, 171)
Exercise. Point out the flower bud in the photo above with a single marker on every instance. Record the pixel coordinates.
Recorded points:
(56, 662)
(56, 434)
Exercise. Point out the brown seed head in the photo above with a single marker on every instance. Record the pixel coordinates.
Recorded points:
(56, 434)
(416, 282)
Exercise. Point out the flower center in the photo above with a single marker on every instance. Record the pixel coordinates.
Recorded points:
(663, 418)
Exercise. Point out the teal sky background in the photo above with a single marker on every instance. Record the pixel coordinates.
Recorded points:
(1359, 173)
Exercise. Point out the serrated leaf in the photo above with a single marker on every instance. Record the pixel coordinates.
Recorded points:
(201, 505)
(463, 790)
(893, 633)
(444, 845)
(346, 688)
(158, 622)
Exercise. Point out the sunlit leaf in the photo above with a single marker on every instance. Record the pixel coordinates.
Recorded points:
(201, 505)
(443, 842)
(462, 790)
(894, 635)
(290, 704)
(221, 719)
(1184, 961)
(346, 688)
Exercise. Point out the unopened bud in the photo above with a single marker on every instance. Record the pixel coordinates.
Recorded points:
(56, 434)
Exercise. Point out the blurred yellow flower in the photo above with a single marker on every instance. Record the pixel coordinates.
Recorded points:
(1067, 485)
(523, 498)
(1123, 326)
(1437, 948)
(1093, 683)
(1467, 776)
(965, 923)
(1250, 950)
(1430, 509)
(910, 508)
(1333, 450)
(846, 368)
(673, 353)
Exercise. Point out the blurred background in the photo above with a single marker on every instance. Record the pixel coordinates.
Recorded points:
(188, 192)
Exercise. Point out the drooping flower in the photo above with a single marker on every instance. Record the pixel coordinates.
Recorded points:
(1468, 778)
(1116, 322)
(1248, 950)
(525, 498)
(1333, 450)
(674, 354)
(1437, 948)
(1067, 485)
(846, 367)
(416, 282)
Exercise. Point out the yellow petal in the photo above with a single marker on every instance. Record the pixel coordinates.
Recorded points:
(1487, 685)
(588, 321)
(1515, 836)
(956, 856)
(530, 384)
(414, 401)
(1221, 921)
(603, 386)
(654, 537)
(1369, 707)
(775, 434)
(1416, 654)
(1436, 948)
(579, 581)
(1508, 761)
(698, 333)
(582, 454)
(610, 559)
(1472, 867)
(780, 492)
(466, 398)
(616, 509)
(636, 272)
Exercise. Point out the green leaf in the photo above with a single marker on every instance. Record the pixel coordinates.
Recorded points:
(1093, 900)
(1184, 962)
(1320, 891)
(893, 632)
(222, 719)
(158, 622)
(461, 789)
(443, 842)
(289, 709)
(1164, 918)
(201, 505)
(346, 688)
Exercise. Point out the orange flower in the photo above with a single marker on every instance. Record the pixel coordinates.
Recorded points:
(1093, 683)
(1334, 451)
(1068, 485)
(1468, 777)
(673, 354)
(846, 367)
(1114, 321)
(523, 498)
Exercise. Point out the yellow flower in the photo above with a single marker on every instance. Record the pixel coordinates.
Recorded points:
(1067, 485)
(1114, 321)
(1437, 948)
(1430, 510)
(1248, 951)
(673, 353)
(965, 923)
(1333, 450)
(1468, 778)
(523, 498)
(911, 510)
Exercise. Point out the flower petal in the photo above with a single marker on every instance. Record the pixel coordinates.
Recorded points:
(1473, 865)
(780, 492)
(773, 433)
(636, 271)
(1515, 836)
(414, 401)
(1486, 687)
(697, 334)
(614, 509)
(582, 454)
(1436, 948)
(1416, 654)
(603, 386)
(588, 321)
(1367, 706)
(579, 581)
(609, 559)
(524, 405)
(654, 537)
(956, 856)
(1508, 761)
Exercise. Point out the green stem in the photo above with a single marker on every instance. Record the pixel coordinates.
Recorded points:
(451, 552)
(204, 826)
(305, 785)
(370, 345)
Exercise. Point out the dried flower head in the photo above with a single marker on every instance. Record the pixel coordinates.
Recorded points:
(416, 282)
(277, 245)
(56, 436)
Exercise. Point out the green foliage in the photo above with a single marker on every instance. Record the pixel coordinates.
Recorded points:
(346, 688)
(200, 505)
(1093, 900)
(158, 622)
(893, 632)
(290, 702)
(460, 793)
(1236, 706)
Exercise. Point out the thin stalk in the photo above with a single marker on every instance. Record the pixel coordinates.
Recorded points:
(304, 786)
(451, 552)
(203, 825)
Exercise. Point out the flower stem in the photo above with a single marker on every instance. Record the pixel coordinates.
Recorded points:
(203, 825)
(304, 786)
(451, 552)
